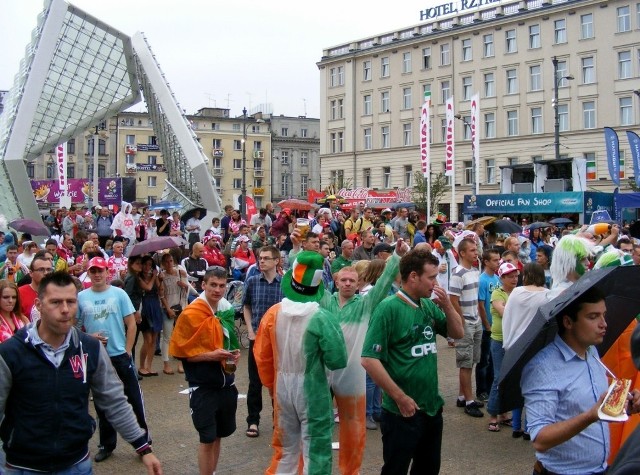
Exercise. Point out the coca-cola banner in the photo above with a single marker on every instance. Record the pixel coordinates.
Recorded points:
(48, 191)
(366, 195)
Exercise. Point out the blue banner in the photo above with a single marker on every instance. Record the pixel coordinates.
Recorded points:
(613, 154)
(634, 142)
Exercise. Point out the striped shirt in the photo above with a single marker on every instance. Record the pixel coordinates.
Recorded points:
(464, 284)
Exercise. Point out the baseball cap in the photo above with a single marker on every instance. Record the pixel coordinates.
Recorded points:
(382, 247)
(506, 268)
(287, 211)
(98, 262)
(98, 207)
(386, 210)
(243, 238)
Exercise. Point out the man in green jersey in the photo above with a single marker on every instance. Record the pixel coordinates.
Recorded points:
(399, 353)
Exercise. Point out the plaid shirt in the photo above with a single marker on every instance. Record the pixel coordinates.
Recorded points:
(261, 295)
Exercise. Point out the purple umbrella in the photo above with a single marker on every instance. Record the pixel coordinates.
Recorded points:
(156, 244)
(31, 226)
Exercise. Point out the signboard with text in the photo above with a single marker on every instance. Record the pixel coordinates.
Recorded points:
(79, 190)
(366, 195)
(454, 8)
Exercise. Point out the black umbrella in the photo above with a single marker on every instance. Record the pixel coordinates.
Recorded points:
(619, 284)
(505, 226)
(538, 225)
(189, 214)
(561, 221)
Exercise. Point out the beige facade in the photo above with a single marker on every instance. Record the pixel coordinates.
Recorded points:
(372, 91)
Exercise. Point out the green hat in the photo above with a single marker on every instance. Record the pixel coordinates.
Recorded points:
(303, 281)
(446, 243)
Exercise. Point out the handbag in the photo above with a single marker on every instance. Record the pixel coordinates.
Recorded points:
(177, 309)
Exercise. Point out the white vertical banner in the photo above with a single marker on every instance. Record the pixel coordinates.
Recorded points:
(475, 137)
(450, 154)
(61, 164)
(425, 146)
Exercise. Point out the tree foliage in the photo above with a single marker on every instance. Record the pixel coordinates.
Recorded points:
(420, 189)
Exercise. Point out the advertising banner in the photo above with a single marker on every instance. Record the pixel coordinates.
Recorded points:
(634, 143)
(613, 154)
(79, 190)
(475, 136)
(450, 143)
(424, 135)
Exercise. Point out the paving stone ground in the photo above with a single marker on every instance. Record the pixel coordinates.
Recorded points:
(468, 447)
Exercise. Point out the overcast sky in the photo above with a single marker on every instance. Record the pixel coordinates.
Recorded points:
(228, 54)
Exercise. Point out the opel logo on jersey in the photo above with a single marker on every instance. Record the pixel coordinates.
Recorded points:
(427, 332)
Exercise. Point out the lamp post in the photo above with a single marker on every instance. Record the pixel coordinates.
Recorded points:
(94, 181)
(556, 84)
(473, 154)
(244, 162)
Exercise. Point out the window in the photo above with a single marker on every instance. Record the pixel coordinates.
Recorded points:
(445, 87)
(337, 178)
(304, 133)
(489, 125)
(336, 76)
(638, 14)
(367, 177)
(237, 145)
(384, 132)
(488, 50)
(535, 78)
(512, 161)
(304, 184)
(534, 36)
(626, 112)
(257, 145)
(562, 74)
(130, 160)
(336, 109)
(152, 160)
(257, 182)
(489, 85)
(406, 98)
(384, 67)
(385, 101)
(215, 126)
(624, 64)
(466, 50)
(588, 70)
(466, 127)
(255, 129)
(490, 171)
(512, 81)
(237, 183)
(151, 181)
(71, 170)
(340, 141)
(469, 178)
(304, 158)
(71, 146)
(407, 136)
(257, 164)
(445, 55)
(50, 170)
(217, 162)
(334, 142)
(284, 157)
(367, 144)
(624, 19)
(592, 169)
(426, 88)
(536, 120)
(443, 130)
(406, 62)
(512, 123)
(102, 147)
(511, 42)
(426, 58)
(366, 106)
(408, 176)
(102, 171)
(386, 177)
(366, 70)
(217, 143)
(560, 31)
(237, 164)
(586, 26)
(236, 127)
(467, 88)
(589, 115)
(563, 117)
(284, 131)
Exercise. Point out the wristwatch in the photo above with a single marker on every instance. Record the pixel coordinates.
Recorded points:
(145, 452)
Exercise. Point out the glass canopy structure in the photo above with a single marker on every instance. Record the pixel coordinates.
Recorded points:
(78, 71)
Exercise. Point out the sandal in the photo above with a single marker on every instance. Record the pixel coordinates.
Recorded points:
(506, 422)
(494, 427)
(253, 433)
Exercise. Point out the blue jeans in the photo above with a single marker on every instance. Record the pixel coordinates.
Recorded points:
(81, 468)
(497, 355)
(374, 395)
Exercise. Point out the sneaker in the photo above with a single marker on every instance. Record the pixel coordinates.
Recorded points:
(473, 410)
(484, 397)
(371, 424)
(460, 403)
(102, 455)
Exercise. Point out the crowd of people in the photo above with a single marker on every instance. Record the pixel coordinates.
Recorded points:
(342, 316)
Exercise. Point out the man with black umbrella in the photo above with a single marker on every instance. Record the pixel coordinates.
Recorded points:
(563, 387)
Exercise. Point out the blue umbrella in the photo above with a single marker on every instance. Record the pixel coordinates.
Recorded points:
(165, 205)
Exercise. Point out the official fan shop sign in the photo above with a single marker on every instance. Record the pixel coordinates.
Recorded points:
(79, 190)
(539, 203)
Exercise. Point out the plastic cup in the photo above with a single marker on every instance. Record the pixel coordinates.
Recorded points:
(229, 365)
(304, 226)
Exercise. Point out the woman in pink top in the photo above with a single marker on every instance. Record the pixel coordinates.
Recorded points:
(11, 318)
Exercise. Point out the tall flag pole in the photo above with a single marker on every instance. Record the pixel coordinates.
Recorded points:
(634, 142)
(450, 157)
(613, 154)
(425, 147)
(475, 137)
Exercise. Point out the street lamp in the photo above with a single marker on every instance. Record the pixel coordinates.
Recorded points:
(476, 170)
(244, 163)
(556, 83)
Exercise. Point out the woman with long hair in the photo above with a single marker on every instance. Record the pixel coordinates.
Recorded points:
(11, 317)
(175, 288)
(432, 234)
(152, 317)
